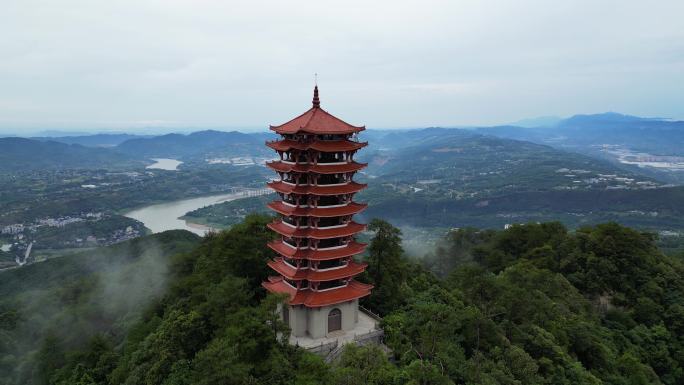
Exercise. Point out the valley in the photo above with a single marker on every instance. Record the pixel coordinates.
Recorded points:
(56, 211)
(426, 181)
(325, 193)
(174, 215)
(104, 239)
(431, 180)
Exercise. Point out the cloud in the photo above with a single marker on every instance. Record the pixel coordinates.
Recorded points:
(88, 64)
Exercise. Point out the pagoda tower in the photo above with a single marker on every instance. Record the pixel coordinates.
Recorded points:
(315, 249)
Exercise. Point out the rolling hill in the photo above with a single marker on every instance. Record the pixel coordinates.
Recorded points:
(80, 295)
(20, 154)
(436, 178)
(97, 140)
(652, 135)
(456, 178)
(197, 144)
(649, 146)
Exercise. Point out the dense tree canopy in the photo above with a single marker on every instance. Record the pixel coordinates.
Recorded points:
(535, 304)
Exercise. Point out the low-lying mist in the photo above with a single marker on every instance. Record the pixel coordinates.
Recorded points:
(67, 301)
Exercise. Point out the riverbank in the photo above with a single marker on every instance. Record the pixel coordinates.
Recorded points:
(170, 215)
(200, 223)
(226, 214)
(202, 227)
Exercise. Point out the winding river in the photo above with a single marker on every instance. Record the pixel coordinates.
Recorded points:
(165, 164)
(165, 216)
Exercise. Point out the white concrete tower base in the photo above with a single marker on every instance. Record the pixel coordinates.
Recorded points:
(309, 326)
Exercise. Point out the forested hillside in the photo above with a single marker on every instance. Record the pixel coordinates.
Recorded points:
(455, 178)
(534, 304)
(96, 140)
(653, 135)
(452, 178)
(19, 154)
(197, 144)
(50, 308)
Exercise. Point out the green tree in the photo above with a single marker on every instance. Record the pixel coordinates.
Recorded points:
(386, 267)
(364, 365)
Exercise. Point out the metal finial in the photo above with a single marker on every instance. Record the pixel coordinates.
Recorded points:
(316, 101)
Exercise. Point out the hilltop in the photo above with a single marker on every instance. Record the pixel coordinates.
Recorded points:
(20, 154)
(197, 144)
(535, 304)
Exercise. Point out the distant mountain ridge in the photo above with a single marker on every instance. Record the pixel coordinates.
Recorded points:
(479, 164)
(541, 121)
(200, 143)
(653, 135)
(606, 117)
(455, 177)
(21, 154)
(97, 140)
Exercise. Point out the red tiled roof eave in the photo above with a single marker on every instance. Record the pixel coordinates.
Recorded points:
(353, 248)
(309, 298)
(352, 269)
(320, 212)
(348, 188)
(320, 168)
(317, 121)
(354, 290)
(278, 286)
(350, 228)
(319, 145)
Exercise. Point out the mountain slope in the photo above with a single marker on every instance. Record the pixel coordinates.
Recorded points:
(97, 140)
(18, 154)
(652, 135)
(455, 178)
(466, 164)
(472, 180)
(73, 298)
(197, 144)
(534, 305)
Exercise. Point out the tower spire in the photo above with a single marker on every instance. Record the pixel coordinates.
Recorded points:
(316, 101)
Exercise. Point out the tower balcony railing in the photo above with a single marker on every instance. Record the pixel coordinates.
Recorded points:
(292, 182)
(303, 264)
(321, 205)
(333, 183)
(323, 162)
(331, 244)
(311, 138)
(291, 244)
(323, 245)
(293, 204)
(332, 137)
(333, 162)
(330, 285)
(289, 264)
(292, 161)
(331, 206)
(333, 224)
(330, 265)
(291, 222)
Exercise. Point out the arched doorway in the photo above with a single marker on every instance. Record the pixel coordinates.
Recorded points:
(334, 320)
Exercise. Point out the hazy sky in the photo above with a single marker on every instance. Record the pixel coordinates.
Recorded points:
(130, 64)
